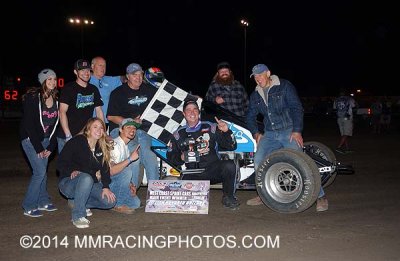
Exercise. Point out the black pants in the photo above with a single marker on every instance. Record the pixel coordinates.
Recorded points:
(220, 171)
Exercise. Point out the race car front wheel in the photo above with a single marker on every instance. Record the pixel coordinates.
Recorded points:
(323, 151)
(288, 181)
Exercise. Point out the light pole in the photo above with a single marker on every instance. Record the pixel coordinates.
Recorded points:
(245, 24)
(81, 23)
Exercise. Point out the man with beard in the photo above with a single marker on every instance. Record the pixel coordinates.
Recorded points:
(228, 93)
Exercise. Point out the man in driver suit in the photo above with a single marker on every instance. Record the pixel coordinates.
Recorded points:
(196, 145)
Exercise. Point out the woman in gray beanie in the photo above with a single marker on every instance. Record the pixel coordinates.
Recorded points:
(38, 140)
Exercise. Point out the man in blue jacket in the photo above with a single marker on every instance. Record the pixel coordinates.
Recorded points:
(277, 101)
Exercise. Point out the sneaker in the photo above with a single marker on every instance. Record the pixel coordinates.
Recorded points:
(82, 222)
(322, 204)
(89, 213)
(49, 207)
(254, 201)
(123, 209)
(33, 213)
(230, 202)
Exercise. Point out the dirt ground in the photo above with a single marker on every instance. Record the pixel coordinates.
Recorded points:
(362, 222)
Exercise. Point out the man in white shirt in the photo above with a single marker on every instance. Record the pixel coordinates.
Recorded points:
(121, 175)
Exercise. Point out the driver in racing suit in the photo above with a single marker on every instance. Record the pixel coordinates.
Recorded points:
(196, 145)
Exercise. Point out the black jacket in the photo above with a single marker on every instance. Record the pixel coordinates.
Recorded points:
(32, 125)
(76, 155)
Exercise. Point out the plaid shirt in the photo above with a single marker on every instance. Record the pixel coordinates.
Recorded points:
(235, 97)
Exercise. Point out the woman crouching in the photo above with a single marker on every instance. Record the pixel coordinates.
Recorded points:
(85, 173)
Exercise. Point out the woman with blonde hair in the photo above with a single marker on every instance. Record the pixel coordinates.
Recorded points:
(38, 140)
(84, 166)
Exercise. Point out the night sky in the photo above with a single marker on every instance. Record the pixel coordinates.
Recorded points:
(320, 46)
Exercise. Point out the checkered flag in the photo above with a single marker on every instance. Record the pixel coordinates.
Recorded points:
(164, 115)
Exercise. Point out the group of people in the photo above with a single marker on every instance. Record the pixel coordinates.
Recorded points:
(345, 106)
(97, 173)
(276, 100)
(93, 171)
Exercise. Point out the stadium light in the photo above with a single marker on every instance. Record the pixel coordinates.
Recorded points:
(81, 22)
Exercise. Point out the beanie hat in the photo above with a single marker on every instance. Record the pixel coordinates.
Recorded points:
(45, 74)
(223, 65)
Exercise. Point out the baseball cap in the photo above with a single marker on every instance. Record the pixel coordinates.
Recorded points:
(223, 65)
(81, 64)
(259, 68)
(129, 122)
(187, 102)
(133, 67)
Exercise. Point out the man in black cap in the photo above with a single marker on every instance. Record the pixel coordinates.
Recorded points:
(196, 145)
(225, 91)
(78, 100)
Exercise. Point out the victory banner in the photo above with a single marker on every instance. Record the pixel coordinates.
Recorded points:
(178, 196)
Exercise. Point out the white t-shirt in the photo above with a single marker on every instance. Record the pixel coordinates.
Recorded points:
(120, 151)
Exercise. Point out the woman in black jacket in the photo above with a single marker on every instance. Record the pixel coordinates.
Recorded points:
(38, 140)
(84, 166)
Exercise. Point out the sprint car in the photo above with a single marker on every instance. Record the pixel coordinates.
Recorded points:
(287, 181)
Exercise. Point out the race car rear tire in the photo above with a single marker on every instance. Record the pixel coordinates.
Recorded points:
(326, 153)
(288, 181)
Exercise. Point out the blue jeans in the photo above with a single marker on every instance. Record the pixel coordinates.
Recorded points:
(146, 156)
(85, 193)
(120, 187)
(275, 140)
(60, 144)
(37, 195)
